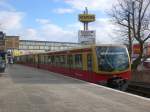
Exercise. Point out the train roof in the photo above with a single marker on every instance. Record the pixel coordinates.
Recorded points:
(79, 48)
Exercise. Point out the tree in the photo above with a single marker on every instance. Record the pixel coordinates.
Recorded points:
(133, 17)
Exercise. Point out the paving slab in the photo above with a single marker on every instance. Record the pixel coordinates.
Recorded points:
(26, 89)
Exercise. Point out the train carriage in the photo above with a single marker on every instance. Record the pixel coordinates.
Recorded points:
(102, 64)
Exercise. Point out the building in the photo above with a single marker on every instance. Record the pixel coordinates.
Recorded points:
(33, 46)
(45, 45)
(12, 42)
(14, 46)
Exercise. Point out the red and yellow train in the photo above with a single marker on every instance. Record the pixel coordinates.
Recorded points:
(102, 64)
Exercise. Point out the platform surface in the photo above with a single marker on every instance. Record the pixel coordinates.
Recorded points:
(26, 89)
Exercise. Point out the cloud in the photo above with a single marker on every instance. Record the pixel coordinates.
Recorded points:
(54, 32)
(30, 34)
(49, 32)
(11, 20)
(63, 10)
(94, 5)
(104, 30)
(5, 6)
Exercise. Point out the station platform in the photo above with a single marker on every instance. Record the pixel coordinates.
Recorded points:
(26, 89)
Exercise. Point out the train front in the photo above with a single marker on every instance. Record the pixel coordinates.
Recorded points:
(114, 62)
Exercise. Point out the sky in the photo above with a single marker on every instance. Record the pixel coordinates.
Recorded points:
(55, 20)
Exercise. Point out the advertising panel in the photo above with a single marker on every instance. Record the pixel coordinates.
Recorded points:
(136, 49)
(86, 17)
(87, 36)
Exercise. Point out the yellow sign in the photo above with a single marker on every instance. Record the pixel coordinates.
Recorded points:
(86, 17)
(17, 53)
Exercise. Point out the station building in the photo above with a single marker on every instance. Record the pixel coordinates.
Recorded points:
(14, 46)
(45, 45)
(33, 46)
(21, 47)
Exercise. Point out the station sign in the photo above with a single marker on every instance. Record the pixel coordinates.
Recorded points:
(86, 17)
(87, 37)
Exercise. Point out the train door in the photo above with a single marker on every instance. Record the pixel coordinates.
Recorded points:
(89, 66)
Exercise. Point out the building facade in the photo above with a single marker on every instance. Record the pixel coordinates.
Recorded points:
(32, 46)
(45, 45)
(14, 46)
(11, 42)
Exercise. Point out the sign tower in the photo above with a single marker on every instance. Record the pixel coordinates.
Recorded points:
(86, 36)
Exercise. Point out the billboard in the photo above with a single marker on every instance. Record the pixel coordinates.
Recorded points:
(87, 37)
(147, 49)
(136, 49)
(86, 17)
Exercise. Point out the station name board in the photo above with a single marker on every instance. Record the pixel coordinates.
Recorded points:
(86, 17)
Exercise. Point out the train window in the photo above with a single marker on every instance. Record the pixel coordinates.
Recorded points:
(89, 62)
(78, 61)
(40, 62)
(30, 59)
(45, 59)
(41, 59)
(51, 60)
(70, 61)
(62, 60)
(57, 58)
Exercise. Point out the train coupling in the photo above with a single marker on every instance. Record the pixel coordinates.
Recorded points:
(118, 83)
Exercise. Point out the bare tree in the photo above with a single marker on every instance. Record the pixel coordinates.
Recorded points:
(133, 17)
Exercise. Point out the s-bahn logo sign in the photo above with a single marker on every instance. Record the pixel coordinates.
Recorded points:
(86, 17)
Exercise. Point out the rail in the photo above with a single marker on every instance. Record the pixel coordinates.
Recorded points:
(139, 88)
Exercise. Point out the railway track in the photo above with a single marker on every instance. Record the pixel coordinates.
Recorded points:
(139, 88)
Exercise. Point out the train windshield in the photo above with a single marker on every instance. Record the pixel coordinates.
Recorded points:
(112, 59)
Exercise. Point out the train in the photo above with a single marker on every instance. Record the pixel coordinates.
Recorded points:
(2, 61)
(101, 64)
